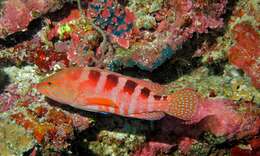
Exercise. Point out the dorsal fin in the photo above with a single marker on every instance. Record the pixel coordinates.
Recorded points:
(155, 87)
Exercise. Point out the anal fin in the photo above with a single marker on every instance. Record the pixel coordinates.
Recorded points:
(148, 115)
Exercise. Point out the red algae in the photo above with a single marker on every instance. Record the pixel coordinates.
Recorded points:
(245, 53)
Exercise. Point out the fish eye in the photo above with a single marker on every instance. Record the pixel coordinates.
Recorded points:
(49, 83)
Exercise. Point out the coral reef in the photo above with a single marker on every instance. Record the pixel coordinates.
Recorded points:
(50, 127)
(217, 42)
(173, 22)
(124, 31)
(231, 84)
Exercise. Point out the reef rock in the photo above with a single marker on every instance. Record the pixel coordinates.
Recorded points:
(17, 14)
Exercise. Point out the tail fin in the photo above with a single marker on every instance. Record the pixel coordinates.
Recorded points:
(184, 104)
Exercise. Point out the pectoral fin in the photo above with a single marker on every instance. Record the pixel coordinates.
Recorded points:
(101, 102)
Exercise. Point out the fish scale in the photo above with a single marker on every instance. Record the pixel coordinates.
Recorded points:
(97, 90)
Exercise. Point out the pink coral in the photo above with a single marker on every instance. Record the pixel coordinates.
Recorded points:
(10, 98)
(222, 118)
(153, 148)
(190, 19)
(17, 14)
(185, 144)
(75, 43)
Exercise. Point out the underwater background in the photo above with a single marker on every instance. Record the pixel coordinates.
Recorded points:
(210, 46)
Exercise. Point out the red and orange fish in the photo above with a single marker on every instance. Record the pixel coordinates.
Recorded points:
(97, 90)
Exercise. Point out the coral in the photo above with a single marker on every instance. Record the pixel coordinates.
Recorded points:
(116, 19)
(254, 9)
(34, 51)
(22, 77)
(173, 23)
(153, 148)
(214, 110)
(189, 13)
(115, 34)
(50, 127)
(185, 144)
(19, 91)
(143, 11)
(166, 27)
(230, 84)
(14, 139)
(80, 39)
(9, 98)
(224, 119)
(17, 14)
(108, 142)
(160, 55)
(113, 135)
(245, 53)
(214, 52)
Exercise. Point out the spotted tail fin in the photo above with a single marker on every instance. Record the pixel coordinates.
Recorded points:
(183, 104)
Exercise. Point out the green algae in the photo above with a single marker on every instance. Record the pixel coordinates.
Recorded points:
(64, 29)
(15, 140)
(199, 149)
(212, 139)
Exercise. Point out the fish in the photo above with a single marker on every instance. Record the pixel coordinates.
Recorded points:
(98, 90)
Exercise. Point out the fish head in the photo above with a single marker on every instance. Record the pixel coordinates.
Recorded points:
(59, 87)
